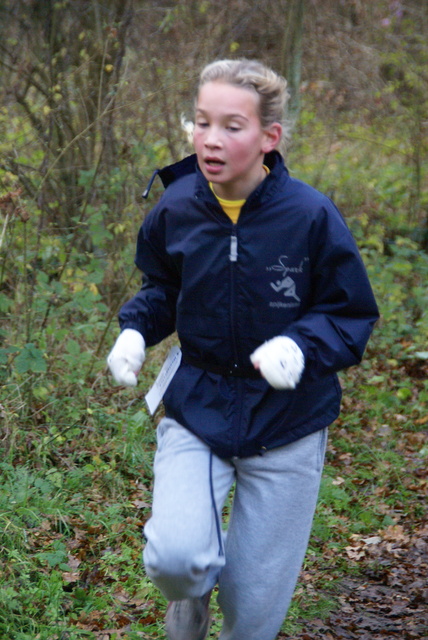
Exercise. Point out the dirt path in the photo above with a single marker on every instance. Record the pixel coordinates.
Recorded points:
(390, 599)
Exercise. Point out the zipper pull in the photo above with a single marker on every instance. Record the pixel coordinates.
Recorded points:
(233, 255)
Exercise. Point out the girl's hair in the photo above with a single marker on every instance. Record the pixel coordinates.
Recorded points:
(255, 76)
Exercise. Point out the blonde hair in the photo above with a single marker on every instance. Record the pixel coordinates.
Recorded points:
(255, 76)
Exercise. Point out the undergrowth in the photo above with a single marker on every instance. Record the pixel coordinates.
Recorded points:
(76, 451)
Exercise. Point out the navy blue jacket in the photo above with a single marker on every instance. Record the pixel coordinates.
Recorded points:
(288, 267)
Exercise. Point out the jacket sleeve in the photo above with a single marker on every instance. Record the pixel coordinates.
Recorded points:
(152, 311)
(334, 330)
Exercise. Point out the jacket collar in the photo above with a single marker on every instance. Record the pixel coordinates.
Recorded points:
(189, 165)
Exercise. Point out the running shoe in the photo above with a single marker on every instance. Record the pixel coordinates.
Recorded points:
(188, 619)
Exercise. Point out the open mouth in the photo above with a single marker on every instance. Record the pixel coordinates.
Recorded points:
(213, 162)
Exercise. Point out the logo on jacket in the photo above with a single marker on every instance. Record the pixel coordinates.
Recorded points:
(286, 285)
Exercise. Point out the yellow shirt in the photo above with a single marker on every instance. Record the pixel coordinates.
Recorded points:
(232, 207)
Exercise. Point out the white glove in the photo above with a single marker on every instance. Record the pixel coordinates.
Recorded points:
(281, 362)
(127, 356)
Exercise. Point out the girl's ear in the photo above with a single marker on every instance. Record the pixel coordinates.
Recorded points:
(272, 137)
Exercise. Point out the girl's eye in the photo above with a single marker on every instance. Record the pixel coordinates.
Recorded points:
(234, 129)
(202, 124)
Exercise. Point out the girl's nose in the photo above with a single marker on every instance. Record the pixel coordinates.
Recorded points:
(212, 138)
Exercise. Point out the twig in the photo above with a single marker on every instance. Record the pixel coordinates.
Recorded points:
(3, 233)
(112, 314)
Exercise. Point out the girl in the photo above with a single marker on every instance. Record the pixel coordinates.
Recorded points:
(260, 276)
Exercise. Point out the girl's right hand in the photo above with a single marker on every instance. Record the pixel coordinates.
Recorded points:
(127, 357)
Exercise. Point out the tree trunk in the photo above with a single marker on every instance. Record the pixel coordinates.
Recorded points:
(291, 66)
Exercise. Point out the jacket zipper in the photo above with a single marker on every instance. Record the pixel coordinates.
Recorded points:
(233, 255)
(233, 258)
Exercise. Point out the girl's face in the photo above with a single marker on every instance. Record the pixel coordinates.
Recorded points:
(229, 140)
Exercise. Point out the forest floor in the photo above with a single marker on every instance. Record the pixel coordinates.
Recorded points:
(385, 603)
(73, 502)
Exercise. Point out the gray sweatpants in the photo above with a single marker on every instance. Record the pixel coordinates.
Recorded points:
(257, 562)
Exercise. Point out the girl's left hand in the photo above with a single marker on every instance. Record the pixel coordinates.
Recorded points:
(280, 361)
